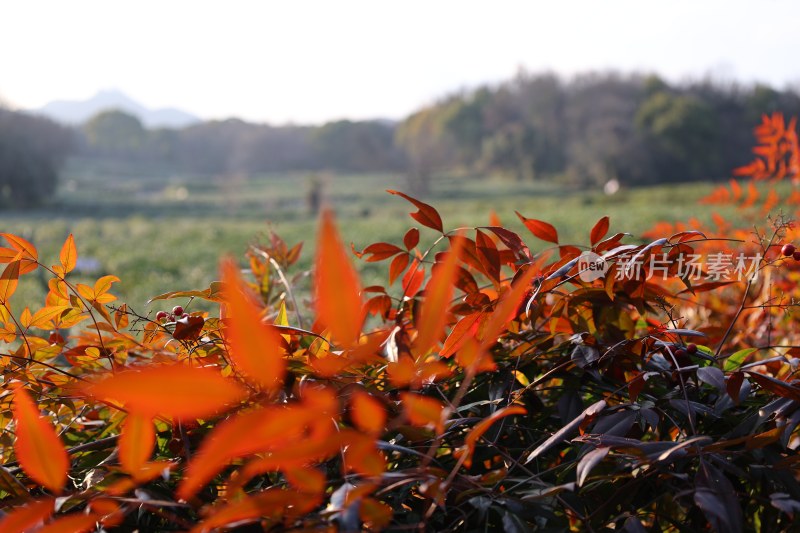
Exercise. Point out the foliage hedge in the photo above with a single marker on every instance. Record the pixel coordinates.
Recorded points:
(489, 385)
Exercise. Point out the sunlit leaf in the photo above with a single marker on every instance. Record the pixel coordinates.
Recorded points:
(136, 442)
(422, 410)
(27, 517)
(337, 292)
(174, 390)
(540, 229)
(8, 281)
(69, 254)
(368, 413)
(433, 315)
(37, 446)
(256, 348)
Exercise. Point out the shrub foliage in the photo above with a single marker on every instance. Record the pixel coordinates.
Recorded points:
(490, 384)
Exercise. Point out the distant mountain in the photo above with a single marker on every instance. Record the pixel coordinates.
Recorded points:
(78, 112)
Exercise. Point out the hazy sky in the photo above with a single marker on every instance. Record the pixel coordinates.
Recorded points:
(309, 61)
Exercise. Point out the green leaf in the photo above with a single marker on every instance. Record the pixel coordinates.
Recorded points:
(735, 360)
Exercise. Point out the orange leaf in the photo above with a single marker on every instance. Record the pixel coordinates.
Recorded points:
(176, 390)
(336, 287)
(72, 523)
(39, 450)
(27, 517)
(26, 252)
(362, 456)
(367, 413)
(599, 230)
(307, 480)
(540, 229)
(506, 310)
(465, 328)
(481, 427)
(272, 503)
(8, 281)
(422, 410)
(256, 349)
(427, 215)
(69, 254)
(433, 314)
(474, 357)
(136, 442)
(268, 429)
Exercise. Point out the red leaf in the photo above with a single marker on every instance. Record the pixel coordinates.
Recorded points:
(487, 255)
(397, 266)
(188, 328)
(380, 251)
(413, 279)
(599, 230)
(336, 286)
(433, 314)
(427, 215)
(256, 349)
(411, 238)
(175, 390)
(39, 450)
(540, 229)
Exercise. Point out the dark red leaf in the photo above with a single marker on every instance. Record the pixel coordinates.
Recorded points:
(427, 215)
(380, 251)
(411, 238)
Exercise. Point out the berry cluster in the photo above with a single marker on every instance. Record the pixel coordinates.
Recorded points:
(177, 313)
(789, 250)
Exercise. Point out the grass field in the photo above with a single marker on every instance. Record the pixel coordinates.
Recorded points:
(160, 233)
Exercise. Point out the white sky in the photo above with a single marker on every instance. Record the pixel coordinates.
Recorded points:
(310, 61)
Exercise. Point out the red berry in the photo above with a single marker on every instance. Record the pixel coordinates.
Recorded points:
(788, 249)
(796, 255)
(691, 348)
(680, 353)
(177, 310)
(185, 315)
(161, 316)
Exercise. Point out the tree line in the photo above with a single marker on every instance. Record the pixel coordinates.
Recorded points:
(587, 130)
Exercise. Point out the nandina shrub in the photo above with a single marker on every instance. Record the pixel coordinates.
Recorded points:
(488, 385)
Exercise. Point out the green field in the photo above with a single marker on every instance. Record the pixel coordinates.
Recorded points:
(160, 233)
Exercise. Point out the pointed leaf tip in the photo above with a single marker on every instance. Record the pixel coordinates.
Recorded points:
(256, 349)
(337, 289)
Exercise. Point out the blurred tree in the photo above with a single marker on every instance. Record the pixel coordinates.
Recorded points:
(32, 150)
(356, 146)
(681, 133)
(428, 147)
(115, 133)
